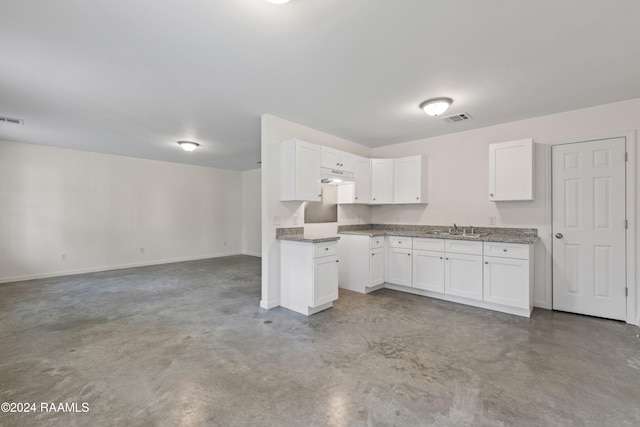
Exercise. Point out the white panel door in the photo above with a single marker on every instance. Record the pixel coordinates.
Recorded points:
(428, 270)
(463, 275)
(325, 281)
(589, 228)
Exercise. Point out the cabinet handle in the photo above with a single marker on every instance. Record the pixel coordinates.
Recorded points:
(337, 260)
(491, 194)
(447, 259)
(356, 197)
(337, 164)
(373, 254)
(417, 198)
(326, 249)
(374, 198)
(440, 257)
(486, 262)
(504, 250)
(409, 254)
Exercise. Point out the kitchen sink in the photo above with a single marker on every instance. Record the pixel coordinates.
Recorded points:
(456, 233)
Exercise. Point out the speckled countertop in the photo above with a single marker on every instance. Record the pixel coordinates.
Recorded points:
(486, 234)
(296, 234)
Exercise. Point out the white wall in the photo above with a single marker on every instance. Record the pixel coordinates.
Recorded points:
(251, 219)
(280, 214)
(458, 187)
(101, 209)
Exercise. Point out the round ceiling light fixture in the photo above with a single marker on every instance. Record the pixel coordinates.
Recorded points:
(188, 145)
(436, 106)
(278, 1)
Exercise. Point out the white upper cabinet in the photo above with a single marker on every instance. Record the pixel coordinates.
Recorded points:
(359, 191)
(300, 171)
(410, 180)
(362, 176)
(511, 170)
(381, 181)
(336, 159)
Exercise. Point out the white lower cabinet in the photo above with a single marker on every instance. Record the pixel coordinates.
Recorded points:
(309, 276)
(376, 267)
(508, 275)
(362, 262)
(463, 275)
(428, 270)
(497, 276)
(325, 279)
(399, 260)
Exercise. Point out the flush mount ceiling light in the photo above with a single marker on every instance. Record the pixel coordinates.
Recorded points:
(188, 145)
(278, 1)
(436, 106)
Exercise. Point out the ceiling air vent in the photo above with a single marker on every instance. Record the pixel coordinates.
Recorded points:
(457, 118)
(10, 120)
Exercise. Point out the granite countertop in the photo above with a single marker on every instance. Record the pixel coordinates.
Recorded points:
(296, 234)
(487, 234)
(311, 238)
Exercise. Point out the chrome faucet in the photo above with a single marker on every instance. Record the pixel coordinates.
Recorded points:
(455, 227)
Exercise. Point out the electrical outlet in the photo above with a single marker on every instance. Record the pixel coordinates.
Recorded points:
(224, 243)
(141, 250)
(276, 220)
(492, 220)
(295, 219)
(64, 257)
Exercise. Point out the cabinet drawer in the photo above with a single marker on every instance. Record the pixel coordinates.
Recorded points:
(324, 249)
(400, 242)
(506, 250)
(377, 242)
(428, 244)
(463, 247)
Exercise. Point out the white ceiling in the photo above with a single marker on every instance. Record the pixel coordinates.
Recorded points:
(133, 77)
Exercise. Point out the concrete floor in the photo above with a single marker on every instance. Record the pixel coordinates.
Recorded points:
(187, 344)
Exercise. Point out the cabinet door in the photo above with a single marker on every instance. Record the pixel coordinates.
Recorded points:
(336, 159)
(428, 270)
(511, 170)
(330, 158)
(325, 281)
(463, 275)
(362, 177)
(381, 181)
(506, 281)
(409, 180)
(376, 267)
(346, 162)
(399, 266)
(307, 171)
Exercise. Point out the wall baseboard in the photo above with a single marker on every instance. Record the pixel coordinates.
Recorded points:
(256, 254)
(268, 305)
(111, 267)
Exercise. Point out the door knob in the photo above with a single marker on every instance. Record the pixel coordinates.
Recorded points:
(559, 236)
